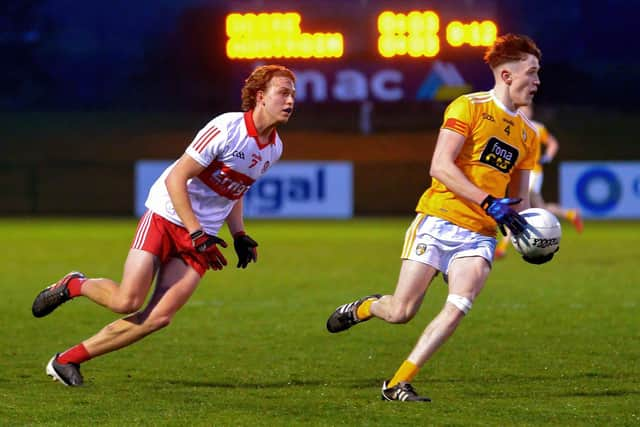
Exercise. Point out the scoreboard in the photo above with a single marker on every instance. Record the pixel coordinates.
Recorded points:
(343, 52)
(416, 33)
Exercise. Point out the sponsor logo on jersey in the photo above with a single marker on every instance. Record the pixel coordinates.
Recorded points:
(225, 181)
(238, 154)
(500, 155)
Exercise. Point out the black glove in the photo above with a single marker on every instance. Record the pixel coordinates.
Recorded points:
(541, 259)
(208, 245)
(500, 210)
(245, 247)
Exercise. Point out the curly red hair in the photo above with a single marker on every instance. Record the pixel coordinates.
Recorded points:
(258, 81)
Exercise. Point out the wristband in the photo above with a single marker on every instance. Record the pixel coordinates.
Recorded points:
(487, 202)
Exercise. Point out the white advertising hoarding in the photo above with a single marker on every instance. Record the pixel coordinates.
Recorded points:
(302, 190)
(288, 190)
(601, 189)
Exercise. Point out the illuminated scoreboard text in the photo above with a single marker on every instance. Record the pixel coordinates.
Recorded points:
(414, 34)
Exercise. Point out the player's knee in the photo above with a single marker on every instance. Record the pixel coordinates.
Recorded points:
(127, 304)
(463, 304)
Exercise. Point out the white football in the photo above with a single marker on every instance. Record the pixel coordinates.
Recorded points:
(542, 235)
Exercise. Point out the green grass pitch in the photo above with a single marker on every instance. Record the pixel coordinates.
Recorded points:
(552, 345)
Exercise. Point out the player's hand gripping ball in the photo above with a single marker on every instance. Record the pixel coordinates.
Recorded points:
(540, 239)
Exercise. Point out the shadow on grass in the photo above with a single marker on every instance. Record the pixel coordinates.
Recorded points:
(365, 383)
(346, 383)
(220, 384)
(589, 385)
(599, 393)
(512, 378)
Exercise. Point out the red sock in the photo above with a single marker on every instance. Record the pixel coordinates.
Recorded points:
(75, 286)
(76, 354)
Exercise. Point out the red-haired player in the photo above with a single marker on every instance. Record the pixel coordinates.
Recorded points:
(176, 240)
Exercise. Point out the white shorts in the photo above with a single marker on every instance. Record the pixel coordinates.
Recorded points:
(535, 182)
(437, 242)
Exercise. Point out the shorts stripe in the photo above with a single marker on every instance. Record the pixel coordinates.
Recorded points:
(410, 236)
(143, 229)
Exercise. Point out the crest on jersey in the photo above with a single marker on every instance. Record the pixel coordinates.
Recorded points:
(421, 249)
(266, 166)
(524, 135)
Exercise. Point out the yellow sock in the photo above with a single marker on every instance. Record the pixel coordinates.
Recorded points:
(364, 310)
(405, 373)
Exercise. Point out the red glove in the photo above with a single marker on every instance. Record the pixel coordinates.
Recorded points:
(208, 245)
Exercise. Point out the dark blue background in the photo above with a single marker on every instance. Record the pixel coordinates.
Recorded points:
(169, 55)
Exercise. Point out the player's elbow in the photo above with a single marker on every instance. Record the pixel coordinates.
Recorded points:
(175, 183)
(171, 180)
(433, 169)
(438, 171)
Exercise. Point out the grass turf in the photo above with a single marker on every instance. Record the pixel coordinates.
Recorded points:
(557, 344)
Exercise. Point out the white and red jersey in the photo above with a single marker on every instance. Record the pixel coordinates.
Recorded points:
(229, 149)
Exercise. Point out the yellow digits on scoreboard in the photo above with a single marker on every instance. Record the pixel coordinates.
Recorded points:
(277, 35)
(413, 34)
(474, 34)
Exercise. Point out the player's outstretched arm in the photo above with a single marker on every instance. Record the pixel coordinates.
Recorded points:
(552, 147)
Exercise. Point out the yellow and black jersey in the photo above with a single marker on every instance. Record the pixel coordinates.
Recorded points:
(497, 141)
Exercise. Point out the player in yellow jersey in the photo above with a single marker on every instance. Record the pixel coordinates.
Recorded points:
(480, 176)
(548, 148)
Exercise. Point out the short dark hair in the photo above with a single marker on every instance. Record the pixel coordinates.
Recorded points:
(510, 47)
(258, 80)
